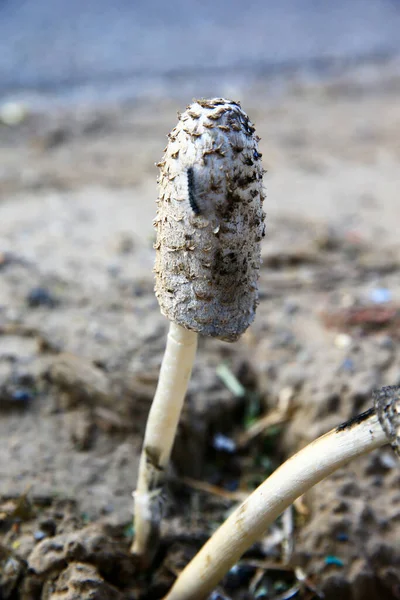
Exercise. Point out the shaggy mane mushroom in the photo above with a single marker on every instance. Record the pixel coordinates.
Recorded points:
(209, 226)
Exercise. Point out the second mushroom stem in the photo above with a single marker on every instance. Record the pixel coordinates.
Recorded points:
(159, 437)
(247, 524)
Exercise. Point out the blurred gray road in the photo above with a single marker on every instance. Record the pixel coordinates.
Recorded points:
(54, 44)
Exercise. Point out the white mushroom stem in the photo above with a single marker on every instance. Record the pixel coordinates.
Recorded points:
(292, 479)
(160, 433)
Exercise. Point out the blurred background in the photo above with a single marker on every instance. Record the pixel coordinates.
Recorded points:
(101, 50)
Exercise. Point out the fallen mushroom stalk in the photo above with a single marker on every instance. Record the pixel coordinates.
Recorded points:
(376, 427)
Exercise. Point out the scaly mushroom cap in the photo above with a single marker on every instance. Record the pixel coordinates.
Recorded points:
(210, 221)
(387, 406)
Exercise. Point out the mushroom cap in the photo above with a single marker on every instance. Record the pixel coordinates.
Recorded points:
(387, 406)
(210, 221)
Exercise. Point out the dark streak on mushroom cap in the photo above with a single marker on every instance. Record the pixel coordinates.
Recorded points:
(387, 406)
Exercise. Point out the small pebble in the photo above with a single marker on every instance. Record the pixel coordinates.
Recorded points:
(280, 586)
(387, 343)
(380, 295)
(333, 560)
(40, 296)
(22, 396)
(108, 509)
(48, 526)
(39, 535)
(283, 339)
(304, 357)
(140, 288)
(290, 308)
(238, 575)
(347, 365)
(232, 485)
(217, 596)
(389, 461)
(124, 244)
(12, 113)
(224, 443)
(342, 340)
(114, 270)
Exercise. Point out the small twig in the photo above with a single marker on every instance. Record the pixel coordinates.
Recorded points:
(306, 583)
(209, 488)
(301, 506)
(260, 426)
(271, 419)
(267, 565)
(288, 529)
(255, 580)
(19, 329)
(108, 420)
(290, 593)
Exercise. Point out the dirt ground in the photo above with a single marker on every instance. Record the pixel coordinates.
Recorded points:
(81, 341)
